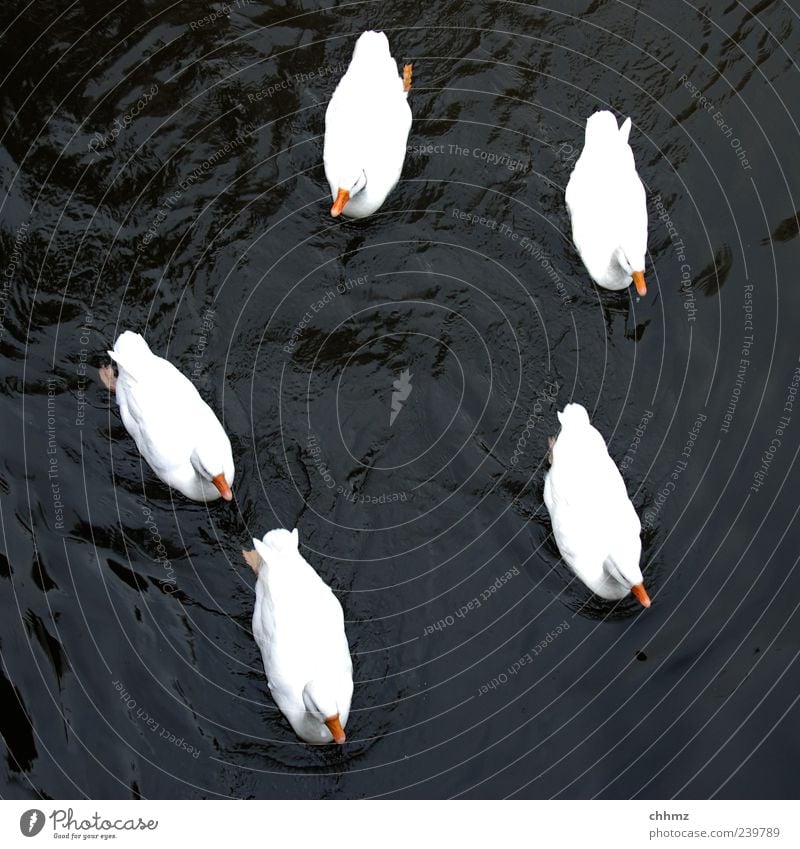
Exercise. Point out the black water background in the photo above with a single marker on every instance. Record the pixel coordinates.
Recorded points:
(695, 697)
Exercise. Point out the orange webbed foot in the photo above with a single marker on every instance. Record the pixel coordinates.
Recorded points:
(107, 377)
(407, 77)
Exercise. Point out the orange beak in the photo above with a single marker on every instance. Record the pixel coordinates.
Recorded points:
(338, 204)
(222, 485)
(638, 281)
(641, 594)
(335, 727)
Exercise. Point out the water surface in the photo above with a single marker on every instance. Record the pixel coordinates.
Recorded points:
(162, 165)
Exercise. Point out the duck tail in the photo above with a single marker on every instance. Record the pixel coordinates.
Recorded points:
(131, 353)
(603, 132)
(371, 46)
(279, 541)
(573, 414)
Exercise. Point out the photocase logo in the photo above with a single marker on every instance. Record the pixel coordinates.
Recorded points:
(31, 822)
(402, 389)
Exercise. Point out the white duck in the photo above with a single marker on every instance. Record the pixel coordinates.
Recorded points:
(298, 624)
(594, 523)
(607, 205)
(173, 427)
(366, 129)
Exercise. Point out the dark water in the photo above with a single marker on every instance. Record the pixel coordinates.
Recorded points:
(200, 219)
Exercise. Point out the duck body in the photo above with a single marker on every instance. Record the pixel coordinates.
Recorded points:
(594, 523)
(366, 129)
(607, 206)
(176, 432)
(298, 624)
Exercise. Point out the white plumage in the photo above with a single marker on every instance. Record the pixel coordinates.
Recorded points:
(607, 206)
(298, 624)
(366, 129)
(594, 523)
(173, 427)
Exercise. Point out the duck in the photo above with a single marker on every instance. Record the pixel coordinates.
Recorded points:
(595, 525)
(366, 129)
(174, 429)
(607, 206)
(298, 624)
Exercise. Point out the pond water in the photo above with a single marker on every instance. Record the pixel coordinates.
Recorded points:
(163, 173)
